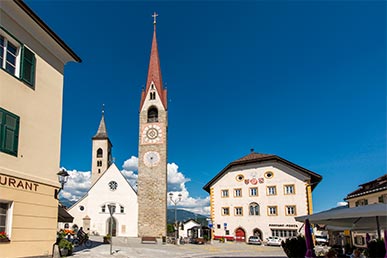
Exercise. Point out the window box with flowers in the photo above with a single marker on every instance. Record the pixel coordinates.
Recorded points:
(4, 238)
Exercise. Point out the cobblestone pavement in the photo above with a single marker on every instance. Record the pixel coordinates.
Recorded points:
(132, 248)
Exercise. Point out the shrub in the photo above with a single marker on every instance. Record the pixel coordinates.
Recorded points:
(65, 244)
(294, 247)
(376, 249)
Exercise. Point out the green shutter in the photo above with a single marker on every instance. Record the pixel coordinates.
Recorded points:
(9, 132)
(28, 67)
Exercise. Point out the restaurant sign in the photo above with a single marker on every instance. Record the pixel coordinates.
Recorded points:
(18, 183)
(283, 225)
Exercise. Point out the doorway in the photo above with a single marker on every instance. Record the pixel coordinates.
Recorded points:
(240, 235)
(112, 226)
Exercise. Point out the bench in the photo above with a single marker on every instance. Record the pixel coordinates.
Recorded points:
(148, 239)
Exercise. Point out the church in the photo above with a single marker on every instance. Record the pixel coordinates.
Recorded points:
(136, 213)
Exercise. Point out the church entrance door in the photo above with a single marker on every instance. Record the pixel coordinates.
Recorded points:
(113, 226)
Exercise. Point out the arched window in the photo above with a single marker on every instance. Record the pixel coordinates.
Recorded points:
(153, 115)
(254, 209)
(99, 153)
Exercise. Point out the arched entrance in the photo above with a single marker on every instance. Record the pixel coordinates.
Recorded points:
(257, 232)
(240, 235)
(111, 222)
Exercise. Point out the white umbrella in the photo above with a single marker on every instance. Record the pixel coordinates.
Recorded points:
(371, 217)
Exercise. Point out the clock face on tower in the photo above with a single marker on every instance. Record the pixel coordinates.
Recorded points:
(151, 134)
(151, 158)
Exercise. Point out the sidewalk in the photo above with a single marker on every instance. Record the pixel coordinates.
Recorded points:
(132, 248)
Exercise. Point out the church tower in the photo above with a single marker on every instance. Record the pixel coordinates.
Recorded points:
(152, 151)
(101, 151)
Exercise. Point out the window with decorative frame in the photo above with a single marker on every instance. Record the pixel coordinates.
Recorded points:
(272, 211)
(253, 191)
(16, 59)
(290, 210)
(271, 190)
(238, 211)
(289, 189)
(224, 193)
(238, 192)
(225, 211)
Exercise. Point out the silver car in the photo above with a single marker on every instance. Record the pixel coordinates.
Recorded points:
(254, 240)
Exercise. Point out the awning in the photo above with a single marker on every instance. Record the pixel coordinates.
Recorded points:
(63, 215)
(367, 217)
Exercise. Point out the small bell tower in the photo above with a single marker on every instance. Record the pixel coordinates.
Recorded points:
(101, 151)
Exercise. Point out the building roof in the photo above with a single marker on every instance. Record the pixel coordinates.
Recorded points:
(47, 29)
(154, 74)
(377, 185)
(254, 157)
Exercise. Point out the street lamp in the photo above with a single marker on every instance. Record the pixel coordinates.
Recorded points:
(175, 202)
(112, 209)
(62, 178)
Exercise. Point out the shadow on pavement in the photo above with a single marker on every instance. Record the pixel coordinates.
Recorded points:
(88, 245)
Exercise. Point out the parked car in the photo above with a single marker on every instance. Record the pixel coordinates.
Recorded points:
(273, 240)
(254, 240)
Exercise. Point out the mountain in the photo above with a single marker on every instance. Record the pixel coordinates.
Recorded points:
(181, 215)
(184, 215)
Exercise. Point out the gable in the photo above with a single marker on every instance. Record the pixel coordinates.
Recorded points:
(257, 163)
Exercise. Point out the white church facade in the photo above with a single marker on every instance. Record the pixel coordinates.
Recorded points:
(108, 188)
(92, 212)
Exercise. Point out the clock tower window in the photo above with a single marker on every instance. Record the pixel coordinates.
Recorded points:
(153, 115)
(152, 95)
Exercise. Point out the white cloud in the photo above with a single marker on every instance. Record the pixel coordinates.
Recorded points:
(79, 183)
(342, 204)
(129, 167)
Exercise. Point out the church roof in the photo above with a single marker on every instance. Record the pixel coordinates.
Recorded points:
(101, 132)
(254, 157)
(154, 74)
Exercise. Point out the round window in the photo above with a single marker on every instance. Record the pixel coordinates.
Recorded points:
(269, 174)
(81, 208)
(113, 185)
(239, 177)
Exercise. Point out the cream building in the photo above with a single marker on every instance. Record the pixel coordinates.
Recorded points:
(260, 194)
(32, 59)
(371, 192)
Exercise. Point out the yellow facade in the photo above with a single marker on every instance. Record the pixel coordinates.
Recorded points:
(30, 152)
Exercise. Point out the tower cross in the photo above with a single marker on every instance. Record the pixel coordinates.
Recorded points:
(154, 15)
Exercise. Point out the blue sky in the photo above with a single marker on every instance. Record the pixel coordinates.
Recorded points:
(305, 80)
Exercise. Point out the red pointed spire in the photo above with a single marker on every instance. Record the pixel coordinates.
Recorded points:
(154, 71)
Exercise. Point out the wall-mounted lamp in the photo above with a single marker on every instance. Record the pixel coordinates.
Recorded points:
(62, 178)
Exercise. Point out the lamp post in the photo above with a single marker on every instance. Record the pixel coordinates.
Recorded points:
(175, 202)
(112, 209)
(62, 178)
